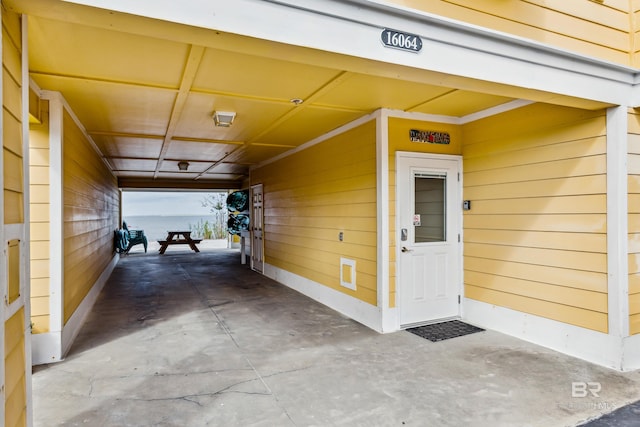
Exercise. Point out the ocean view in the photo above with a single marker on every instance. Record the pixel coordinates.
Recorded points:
(156, 226)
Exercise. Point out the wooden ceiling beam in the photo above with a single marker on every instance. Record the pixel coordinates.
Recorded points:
(124, 134)
(188, 76)
(216, 163)
(87, 79)
(421, 104)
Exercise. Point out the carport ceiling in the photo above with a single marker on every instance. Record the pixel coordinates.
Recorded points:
(146, 92)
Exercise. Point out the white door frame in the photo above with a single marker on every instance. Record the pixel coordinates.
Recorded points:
(458, 212)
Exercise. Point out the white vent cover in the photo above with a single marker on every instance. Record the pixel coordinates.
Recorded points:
(348, 273)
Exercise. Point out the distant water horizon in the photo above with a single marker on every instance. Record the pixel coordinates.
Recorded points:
(156, 226)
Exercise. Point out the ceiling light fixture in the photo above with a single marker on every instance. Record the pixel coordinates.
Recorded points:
(183, 166)
(296, 101)
(223, 118)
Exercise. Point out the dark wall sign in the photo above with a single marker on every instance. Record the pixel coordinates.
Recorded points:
(400, 40)
(429, 137)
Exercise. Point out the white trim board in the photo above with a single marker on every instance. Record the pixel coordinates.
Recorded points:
(492, 111)
(367, 314)
(631, 353)
(389, 318)
(27, 219)
(621, 354)
(46, 348)
(56, 213)
(617, 222)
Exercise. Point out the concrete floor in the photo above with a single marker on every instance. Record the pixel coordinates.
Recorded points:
(189, 339)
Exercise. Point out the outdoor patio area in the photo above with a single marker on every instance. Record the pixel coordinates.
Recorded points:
(197, 339)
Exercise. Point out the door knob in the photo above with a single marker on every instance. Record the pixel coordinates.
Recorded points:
(404, 249)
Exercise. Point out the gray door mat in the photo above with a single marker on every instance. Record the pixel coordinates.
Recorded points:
(444, 330)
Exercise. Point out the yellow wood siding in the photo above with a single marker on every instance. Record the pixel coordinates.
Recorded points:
(633, 170)
(91, 212)
(399, 141)
(312, 196)
(39, 217)
(635, 31)
(14, 276)
(12, 123)
(535, 238)
(13, 314)
(587, 27)
(14, 360)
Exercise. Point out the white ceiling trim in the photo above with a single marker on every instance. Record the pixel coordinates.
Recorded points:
(424, 117)
(498, 109)
(449, 47)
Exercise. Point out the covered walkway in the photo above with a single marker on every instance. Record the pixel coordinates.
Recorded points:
(191, 339)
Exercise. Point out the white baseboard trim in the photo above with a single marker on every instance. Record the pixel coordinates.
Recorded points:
(631, 353)
(74, 324)
(621, 354)
(46, 348)
(367, 314)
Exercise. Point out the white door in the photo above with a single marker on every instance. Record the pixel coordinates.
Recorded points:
(257, 222)
(428, 241)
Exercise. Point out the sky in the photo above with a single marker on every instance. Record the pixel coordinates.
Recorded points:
(158, 203)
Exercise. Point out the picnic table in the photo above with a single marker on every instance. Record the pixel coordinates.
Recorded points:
(179, 238)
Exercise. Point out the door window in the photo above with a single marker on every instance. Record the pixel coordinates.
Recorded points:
(430, 210)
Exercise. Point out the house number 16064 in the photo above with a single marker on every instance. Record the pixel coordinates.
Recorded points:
(400, 40)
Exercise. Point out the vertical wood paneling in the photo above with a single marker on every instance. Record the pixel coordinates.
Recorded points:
(15, 375)
(14, 360)
(39, 220)
(591, 28)
(312, 196)
(91, 211)
(535, 237)
(14, 266)
(399, 141)
(633, 170)
(12, 123)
